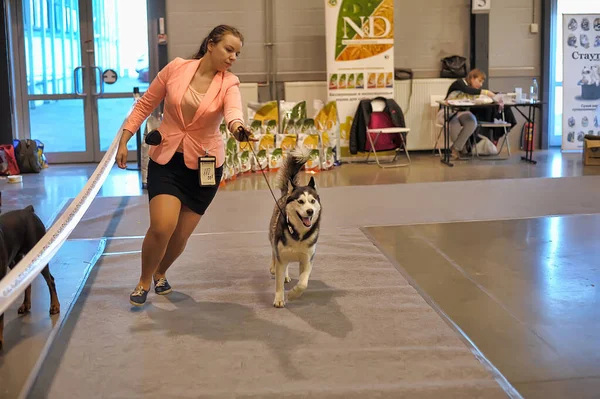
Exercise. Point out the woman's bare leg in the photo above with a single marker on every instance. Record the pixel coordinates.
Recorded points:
(164, 217)
(188, 220)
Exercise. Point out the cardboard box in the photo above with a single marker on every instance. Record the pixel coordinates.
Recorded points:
(591, 152)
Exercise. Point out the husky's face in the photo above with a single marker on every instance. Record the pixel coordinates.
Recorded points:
(303, 204)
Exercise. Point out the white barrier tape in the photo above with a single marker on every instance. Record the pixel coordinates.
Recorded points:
(23, 274)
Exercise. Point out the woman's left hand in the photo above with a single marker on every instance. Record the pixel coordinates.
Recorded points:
(243, 134)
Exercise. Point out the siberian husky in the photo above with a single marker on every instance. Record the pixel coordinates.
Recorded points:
(293, 234)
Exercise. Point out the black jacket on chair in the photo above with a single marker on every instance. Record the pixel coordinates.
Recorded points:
(358, 131)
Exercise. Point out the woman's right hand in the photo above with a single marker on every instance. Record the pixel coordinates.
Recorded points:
(491, 94)
(121, 158)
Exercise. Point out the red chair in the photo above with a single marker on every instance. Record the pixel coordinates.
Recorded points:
(392, 137)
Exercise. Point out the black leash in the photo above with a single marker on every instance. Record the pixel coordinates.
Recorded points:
(244, 135)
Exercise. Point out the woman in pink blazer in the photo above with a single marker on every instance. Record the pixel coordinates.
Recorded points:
(198, 94)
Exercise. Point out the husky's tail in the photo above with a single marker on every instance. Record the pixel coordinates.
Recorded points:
(291, 167)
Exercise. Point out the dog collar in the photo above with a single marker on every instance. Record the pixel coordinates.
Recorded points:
(287, 221)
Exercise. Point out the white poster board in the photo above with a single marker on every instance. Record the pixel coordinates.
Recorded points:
(581, 78)
(360, 56)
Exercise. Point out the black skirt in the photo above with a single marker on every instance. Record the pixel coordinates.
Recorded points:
(176, 179)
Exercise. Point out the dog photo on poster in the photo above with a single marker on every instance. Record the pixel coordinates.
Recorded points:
(581, 78)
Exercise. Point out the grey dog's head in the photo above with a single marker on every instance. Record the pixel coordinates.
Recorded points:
(303, 205)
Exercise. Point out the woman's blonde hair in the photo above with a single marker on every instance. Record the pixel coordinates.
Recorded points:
(474, 74)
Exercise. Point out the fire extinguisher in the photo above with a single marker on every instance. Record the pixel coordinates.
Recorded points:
(528, 136)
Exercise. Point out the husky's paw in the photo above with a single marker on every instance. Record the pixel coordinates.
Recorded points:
(24, 308)
(287, 279)
(295, 293)
(279, 301)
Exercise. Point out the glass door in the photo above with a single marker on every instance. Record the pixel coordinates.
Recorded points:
(119, 58)
(79, 61)
(53, 85)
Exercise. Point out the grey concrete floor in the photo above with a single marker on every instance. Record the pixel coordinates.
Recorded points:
(49, 190)
(524, 291)
(509, 296)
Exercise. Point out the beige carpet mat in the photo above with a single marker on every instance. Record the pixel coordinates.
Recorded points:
(360, 331)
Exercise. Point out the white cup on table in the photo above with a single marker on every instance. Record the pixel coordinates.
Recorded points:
(518, 94)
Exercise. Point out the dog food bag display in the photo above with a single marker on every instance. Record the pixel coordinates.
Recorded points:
(263, 149)
(270, 126)
(290, 113)
(270, 137)
(308, 126)
(284, 143)
(275, 159)
(294, 127)
(245, 157)
(226, 174)
(312, 143)
(290, 127)
(231, 165)
(224, 132)
(328, 154)
(228, 162)
(267, 114)
(328, 127)
(287, 142)
(237, 167)
(256, 127)
(225, 137)
(263, 111)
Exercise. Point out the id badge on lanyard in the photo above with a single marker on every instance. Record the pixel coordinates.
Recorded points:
(206, 171)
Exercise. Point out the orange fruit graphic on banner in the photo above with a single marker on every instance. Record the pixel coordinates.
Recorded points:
(365, 28)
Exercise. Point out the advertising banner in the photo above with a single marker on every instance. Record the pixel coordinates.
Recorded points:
(581, 78)
(360, 56)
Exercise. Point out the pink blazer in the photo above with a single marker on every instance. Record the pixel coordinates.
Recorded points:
(201, 135)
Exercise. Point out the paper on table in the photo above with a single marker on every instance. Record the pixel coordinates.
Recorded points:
(461, 102)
